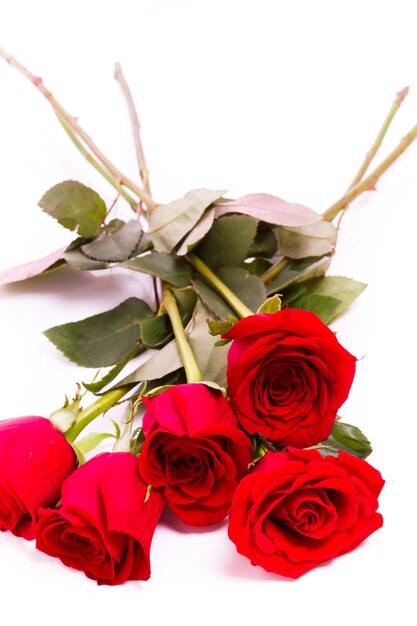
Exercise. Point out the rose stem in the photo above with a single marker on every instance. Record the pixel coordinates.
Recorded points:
(400, 97)
(192, 371)
(99, 406)
(136, 128)
(132, 202)
(370, 181)
(343, 203)
(140, 153)
(73, 124)
(227, 294)
(274, 270)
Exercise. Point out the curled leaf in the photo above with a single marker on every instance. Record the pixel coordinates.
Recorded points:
(170, 223)
(312, 240)
(33, 268)
(269, 208)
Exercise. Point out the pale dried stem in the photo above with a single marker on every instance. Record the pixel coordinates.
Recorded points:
(89, 157)
(136, 127)
(359, 185)
(76, 128)
(400, 97)
(373, 178)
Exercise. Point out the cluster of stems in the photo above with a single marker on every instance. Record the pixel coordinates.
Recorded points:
(142, 200)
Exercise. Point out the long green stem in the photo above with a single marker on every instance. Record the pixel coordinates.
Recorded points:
(274, 270)
(227, 294)
(101, 405)
(400, 97)
(370, 181)
(89, 157)
(73, 124)
(192, 371)
(355, 189)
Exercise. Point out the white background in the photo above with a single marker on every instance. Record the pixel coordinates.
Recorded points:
(277, 97)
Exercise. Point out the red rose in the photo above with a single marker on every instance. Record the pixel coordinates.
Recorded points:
(297, 509)
(287, 376)
(105, 523)
(194, 450)
(35, 459)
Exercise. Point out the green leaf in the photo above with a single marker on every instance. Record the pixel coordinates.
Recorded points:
(297, 271)
(347, 438)
(169, 223)
(78, 261)
(75, 207)
(265, 243)
(102, 339)
(145, 244)
(160, 364)
(197, 233)
(341, 290)
(156, 331)
(325, 307)
(228, 241)
(166, 266)
(91, 441)
(313, 240)
(186, 300)
(211, 299)
(211, 360)
(98, 385)
(218, 327)
(271, 305)
(115, 246)
(257, 266)
(114, 225)
(248, 287)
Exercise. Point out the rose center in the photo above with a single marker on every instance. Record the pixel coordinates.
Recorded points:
(307, 511)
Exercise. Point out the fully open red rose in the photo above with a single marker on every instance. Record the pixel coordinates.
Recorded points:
(287, 376)
(105, 522)
(35, 459)
(194, 450)
(297, 509)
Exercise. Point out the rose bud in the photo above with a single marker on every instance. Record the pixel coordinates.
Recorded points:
(297, 509)
(287, 376)
(35, 459)
(105, 522)
(194, 451)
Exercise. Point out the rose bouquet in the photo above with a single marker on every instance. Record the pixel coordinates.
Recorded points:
(231, 381)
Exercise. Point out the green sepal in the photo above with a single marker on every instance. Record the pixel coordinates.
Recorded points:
(91, 441)
(220, 327)
(271, 305)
